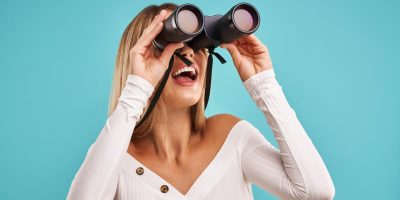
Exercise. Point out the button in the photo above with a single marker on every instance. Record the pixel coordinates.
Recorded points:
(139, 170)
(164, 189)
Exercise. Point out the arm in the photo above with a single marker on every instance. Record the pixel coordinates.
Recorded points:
(296, 171)
(97, 177)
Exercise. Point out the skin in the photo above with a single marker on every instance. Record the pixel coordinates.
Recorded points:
(170, 148)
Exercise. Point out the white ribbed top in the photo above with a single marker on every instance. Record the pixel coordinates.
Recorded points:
(294, 171)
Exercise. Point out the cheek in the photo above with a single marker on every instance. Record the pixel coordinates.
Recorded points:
(202, 63)
(202, 79)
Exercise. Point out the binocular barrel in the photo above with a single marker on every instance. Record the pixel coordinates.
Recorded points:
(188, 24)
(242, 19)
(182, 25)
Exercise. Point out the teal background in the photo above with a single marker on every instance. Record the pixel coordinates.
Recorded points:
(337, 62)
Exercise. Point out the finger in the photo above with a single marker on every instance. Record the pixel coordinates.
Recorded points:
(251, 39)
(234, 51)
(160, 17)
(168, 52)
(254, 39)
(252, 44)
(153, 29)
(155, 26)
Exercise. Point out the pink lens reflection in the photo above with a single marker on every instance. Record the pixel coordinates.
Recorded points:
(188, 21)
(243, 19)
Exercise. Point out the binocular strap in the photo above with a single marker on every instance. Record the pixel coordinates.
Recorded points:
(168, 72)
(209, 73)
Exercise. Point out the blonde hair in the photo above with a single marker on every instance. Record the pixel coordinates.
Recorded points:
(129, 38)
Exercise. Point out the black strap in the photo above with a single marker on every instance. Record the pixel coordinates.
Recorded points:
(209, 73)
(184, 59)
(220, 58)
(162, 85)
(168, 72)
(158, 92)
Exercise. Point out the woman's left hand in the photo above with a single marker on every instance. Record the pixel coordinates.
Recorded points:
(249, 55)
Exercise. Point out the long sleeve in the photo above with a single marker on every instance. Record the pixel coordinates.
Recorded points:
(97, 177)
(295, 170)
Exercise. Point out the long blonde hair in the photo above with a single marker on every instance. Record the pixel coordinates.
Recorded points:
(129, 38)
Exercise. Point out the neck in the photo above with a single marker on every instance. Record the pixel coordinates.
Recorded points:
(170, 139)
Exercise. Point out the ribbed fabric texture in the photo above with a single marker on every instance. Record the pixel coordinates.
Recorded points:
(294, 171)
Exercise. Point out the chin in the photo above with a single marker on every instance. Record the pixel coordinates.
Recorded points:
(180, 96)
(181, 99)
(184, 86)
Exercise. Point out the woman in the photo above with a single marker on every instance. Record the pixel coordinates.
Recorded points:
(178, 153)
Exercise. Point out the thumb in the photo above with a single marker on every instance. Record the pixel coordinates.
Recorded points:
(169, 52)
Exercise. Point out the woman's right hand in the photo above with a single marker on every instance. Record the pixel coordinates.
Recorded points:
(141, 60)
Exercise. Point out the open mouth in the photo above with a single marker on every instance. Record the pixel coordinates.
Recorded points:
(185, 73)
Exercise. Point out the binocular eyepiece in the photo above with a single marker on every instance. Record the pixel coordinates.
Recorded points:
(188, 24)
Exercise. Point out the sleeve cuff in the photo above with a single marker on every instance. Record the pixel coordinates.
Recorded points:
(253, 81)
(144, 84)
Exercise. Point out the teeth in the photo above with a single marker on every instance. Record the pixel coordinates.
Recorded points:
(185, 69)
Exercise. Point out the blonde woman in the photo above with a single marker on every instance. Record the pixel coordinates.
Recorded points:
(178, 153)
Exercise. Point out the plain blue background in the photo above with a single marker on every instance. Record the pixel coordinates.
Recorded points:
(337, 62)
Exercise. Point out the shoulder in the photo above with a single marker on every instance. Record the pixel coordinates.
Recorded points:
(224, 120)
(219, 126)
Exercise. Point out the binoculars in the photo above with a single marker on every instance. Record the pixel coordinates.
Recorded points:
(188, 24)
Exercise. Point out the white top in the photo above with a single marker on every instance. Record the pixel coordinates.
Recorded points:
(294, 171)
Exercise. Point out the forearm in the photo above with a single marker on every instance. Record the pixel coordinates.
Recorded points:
(97, 177)
(302, 163)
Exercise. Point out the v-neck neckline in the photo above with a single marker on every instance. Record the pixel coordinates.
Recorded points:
(203, 182)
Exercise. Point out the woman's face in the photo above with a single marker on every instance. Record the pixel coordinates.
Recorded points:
(180, 90)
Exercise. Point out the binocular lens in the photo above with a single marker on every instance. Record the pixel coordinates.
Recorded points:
(243, 19)
(182, 25)
(188, 21)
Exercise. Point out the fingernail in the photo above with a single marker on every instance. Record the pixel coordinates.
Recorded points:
(162, 12)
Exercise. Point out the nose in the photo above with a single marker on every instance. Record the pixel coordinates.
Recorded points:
(187, 52)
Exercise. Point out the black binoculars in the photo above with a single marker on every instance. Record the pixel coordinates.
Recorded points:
(188, 24)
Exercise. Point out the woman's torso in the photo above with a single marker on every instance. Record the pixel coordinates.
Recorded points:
(209, 158)
(204, 146)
